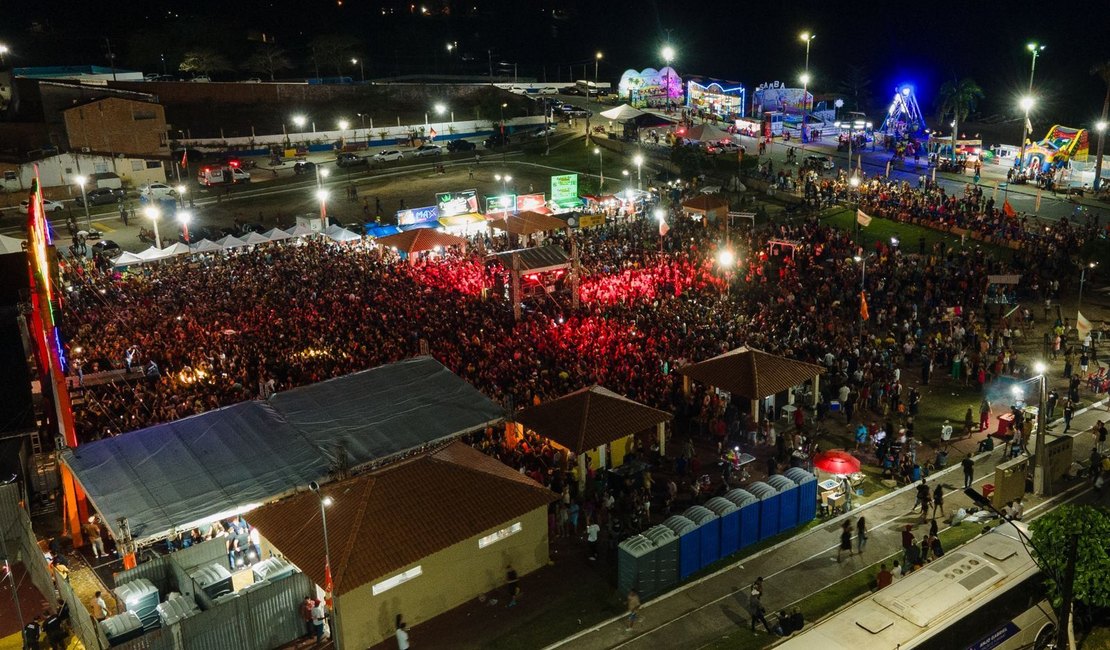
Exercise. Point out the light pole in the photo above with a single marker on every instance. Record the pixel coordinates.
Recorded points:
(668, 56)
(862, 261)
(361, 69)
(1026, 103)
(299, 121)
(1082, 280)
(725, 259)
(1040, 473)
(504, 180)
(343, 126)
(1100, 126)
(184, 216)
(600, 168)
(322, 195)
(504, 141)
(81, 180)
(660, 216)
(181, 189)
(153, 213)
(326, 501)
(808, 38)
(3, 50)
(597, 59)
(639, 160)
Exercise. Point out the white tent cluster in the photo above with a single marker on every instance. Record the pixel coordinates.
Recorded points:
(230, 242)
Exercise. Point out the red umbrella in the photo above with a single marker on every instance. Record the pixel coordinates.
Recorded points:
(836, 461)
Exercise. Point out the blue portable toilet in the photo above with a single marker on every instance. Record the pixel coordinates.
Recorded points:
(788, 500)
(729, 516)
(807, 493)
(710, 527)
(666, 556)
(689, 544)
(748, 506)
(768, 509)
(636, 566)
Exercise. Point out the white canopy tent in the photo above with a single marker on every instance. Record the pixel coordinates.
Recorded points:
(340, 234)
(10, 244)
(151, 254)
(205, 246)
(622, 113)
(300, 230)
(255, 238)
(177, 249)
(706, 133)
(277, 234)
(230, 241)
(127, 259)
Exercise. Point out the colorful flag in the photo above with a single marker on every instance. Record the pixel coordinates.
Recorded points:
(185, 158)
(863, 314)
(888, 169)
(862, 218)
(1082, 325)
(433, 133)
(663, 228)
(328, 586)
(1008, 209)
(1037, 206)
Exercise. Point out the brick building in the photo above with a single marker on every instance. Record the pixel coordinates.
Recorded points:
(117, 126)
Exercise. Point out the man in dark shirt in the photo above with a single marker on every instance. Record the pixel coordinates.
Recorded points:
(969, 470)
(31, 633)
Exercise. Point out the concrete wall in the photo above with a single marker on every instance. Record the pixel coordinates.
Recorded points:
(58, 172)
(451, 577)
(118, 126)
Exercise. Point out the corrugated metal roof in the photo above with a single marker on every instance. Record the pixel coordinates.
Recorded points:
(751, 373)
(381, 522)
(589, 418)
(534, 260)
(421, 239)
(527, 223)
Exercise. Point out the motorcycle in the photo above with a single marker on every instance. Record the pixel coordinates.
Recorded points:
(146, 236)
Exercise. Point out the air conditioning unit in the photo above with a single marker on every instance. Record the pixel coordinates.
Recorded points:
(85, 150)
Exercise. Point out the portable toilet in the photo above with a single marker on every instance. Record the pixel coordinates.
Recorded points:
(710, 529)
(176, 608)
(214, 579)
(666, 556)
(729, 516)
(788, 500)
(748, 506)
(807, 493)
(274, 568)
(689, 544)
(122, 628)
(142, 597)
(768, 509)
(636, 566)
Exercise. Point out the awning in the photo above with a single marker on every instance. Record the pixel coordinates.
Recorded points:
(381, 231)
(466, 219)
(568, 204)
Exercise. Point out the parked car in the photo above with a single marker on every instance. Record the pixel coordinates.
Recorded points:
(548, 90)
(105, 247)
(428, 150)
(304, 167)
(544, 131)
(574, 111)
(156, 190)
(47, 204)
(820, 162)
(253, 80)
(461, 145)
(498, 139)
(350, 160)
(101, 196)
(388, 155)
(201, 79)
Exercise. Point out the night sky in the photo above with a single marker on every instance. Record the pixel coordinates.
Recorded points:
(923, 43)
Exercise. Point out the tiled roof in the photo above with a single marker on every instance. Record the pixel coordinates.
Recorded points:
(751, 373)
(420, 239)
(527, 223)
(590, 417)
(389, 519)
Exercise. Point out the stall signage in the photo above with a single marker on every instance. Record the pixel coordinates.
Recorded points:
(452, 203)
(526, 202)
(417, 215)
(564, 187)
(591, 220)
(502, 203)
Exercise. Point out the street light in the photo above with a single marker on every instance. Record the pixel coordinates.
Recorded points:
(726, 259)
(597, 59)
(668, 56)
(600, 168)
(184, 216)
(1100, 126)
(153, 213)
(504, 180)
(81, 180)
(181, 189)
(638, 159)
(325, 502)
(1082, 280)
(361, 69)
(322, 195)
(1041, 470)
(3, 50)
(1027, 101)
(808, 38)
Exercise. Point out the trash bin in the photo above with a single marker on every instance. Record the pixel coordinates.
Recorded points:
(636, 566)
(689, 544)
(807, 493)
(788, 500)
(768, 509)
(748, 507)
(710, 530)
(729, 516)
(666, 556)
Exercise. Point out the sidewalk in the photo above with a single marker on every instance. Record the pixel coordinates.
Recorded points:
(710, 608)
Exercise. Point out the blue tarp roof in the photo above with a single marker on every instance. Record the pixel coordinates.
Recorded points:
(66, 70)
(177, 475)
(382, 231)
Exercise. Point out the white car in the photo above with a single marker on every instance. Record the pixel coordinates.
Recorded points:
(550, 130)
(47, 204)
(428, 150)
(387, 155)
(156, 190)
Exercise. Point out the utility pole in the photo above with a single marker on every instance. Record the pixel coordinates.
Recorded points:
(1063, 629)
(111, 58)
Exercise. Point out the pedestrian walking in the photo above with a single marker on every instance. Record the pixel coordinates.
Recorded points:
(1101, 437)
(755, 605)
(946, 433)
(926, 501)
(984, 414)
(101, 606)
(922, 496)
(845, 539)
(512, 585)
(92, 533)
(402, 633)
(633, 603)
(1069, 411)
(938, 499)
(861, 534)
(969, 470)
(592, 530)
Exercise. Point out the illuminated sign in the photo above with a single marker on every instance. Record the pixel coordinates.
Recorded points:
(417, 215)
(399, 579)
(493, 538)
(525, 202)
(502, 203)
(564, 187)
(452, 203)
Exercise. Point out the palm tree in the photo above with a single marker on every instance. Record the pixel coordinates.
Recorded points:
(958, 98)
(1102, 71)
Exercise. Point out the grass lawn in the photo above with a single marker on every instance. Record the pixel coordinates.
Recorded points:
(1098, 639)
(907, 234)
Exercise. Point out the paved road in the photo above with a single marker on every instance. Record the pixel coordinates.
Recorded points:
(704, 611)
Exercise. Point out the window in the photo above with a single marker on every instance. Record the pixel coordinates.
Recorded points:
(101, 168)
(154, 164)
(136, 165)
(399, 579)
(493, 538)
(143, 114)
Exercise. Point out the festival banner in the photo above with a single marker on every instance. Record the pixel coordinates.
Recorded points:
(1008, 209)
(863, 313)
(526, 202)
(862, 218)
(564, 187)
(1082, 325)
(500, 203)
(452, 203)
(417, 215)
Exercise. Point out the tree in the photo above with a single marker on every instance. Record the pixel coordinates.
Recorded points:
(958, 98)
(269, 60)
(203, 61)
(856, 88)
(1052, 533)
(1102, 71)
(334, 49)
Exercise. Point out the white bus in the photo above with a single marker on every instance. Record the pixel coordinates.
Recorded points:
(986, 595)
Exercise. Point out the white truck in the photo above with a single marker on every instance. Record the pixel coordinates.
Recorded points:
(210, 175)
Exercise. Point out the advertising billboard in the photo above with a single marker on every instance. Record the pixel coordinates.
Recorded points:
(417, 215)
(452, 203)
(526, 202)
(501, 203)
(564, 187)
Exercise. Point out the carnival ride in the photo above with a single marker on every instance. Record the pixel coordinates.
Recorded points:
(903, 117)
(1060, 146)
